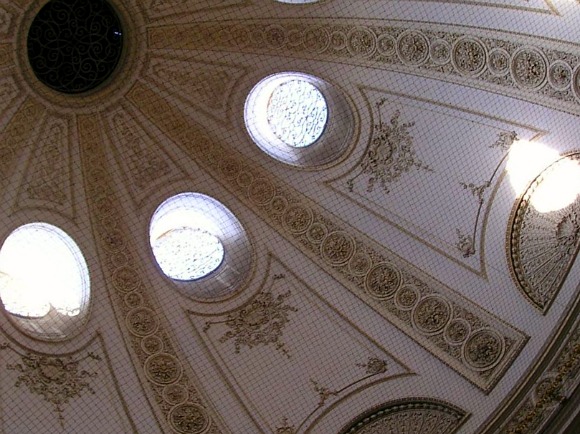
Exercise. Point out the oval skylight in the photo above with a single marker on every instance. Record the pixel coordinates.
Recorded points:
(297, 113)
(43, 274)
(188, 253)
(299, 119)
(199, 244)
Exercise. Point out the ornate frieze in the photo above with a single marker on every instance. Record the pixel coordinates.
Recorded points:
(412, 415)
(261, 322)
(56, 379)
(542, 246)
(370, 271)
(147, 336)
(523, 68)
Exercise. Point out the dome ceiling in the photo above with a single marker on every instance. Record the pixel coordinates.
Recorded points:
(390, 276)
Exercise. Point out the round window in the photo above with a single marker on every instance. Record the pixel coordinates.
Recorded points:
(199, 244)
(75, 45)
(299, 119)
(44, 280)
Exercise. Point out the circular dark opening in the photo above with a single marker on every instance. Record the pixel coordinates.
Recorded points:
(75, 45)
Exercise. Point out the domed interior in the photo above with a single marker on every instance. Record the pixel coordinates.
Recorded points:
(326, 216)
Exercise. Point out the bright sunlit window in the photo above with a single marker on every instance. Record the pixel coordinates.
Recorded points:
(560, 177)
(297, 113)
(42, 268)
(200, 244)
(299, 119)
(188, 253)
(185, 239)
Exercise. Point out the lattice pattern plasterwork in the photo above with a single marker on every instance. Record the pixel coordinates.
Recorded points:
(471, 341)
(206, 86)
(412, 415)
(48, 178)
(141, 159)
(166, 375)
(17, 135)
(542, 246)
(7, 19)
(8, 93)
(525, 70)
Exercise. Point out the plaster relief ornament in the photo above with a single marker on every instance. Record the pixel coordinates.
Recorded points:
(390, 154)
(466, 242)
(58, 380)
(411, 415)
(373, 367)
(262, 322)
(542, 246)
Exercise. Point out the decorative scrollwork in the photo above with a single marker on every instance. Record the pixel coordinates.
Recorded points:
(56, 379)
(74, 45)
(390, 154)
(262, 322)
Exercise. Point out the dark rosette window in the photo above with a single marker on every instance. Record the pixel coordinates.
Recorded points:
(75, 45)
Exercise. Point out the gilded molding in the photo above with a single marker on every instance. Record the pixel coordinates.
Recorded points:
(423, 308)
(542, 247)
(525, 70)
(146, 332)
(412, 415)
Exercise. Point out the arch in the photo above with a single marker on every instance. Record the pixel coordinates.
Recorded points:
(413, 415)
(542, 245)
